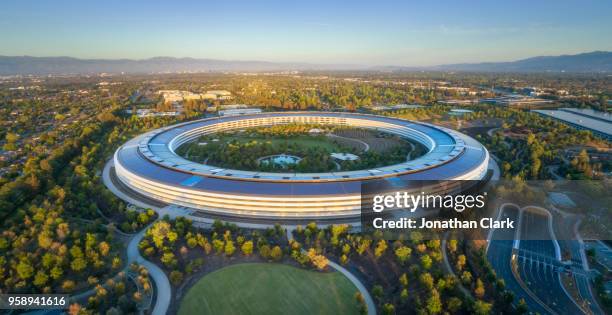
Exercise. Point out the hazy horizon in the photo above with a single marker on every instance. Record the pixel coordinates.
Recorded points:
(386, 33)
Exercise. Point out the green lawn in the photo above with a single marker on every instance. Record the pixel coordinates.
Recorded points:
(306, 141)
(270, 289)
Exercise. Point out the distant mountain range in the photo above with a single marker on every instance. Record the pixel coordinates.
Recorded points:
(598, 61)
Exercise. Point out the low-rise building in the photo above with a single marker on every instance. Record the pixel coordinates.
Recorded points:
(599, 123)
(515, 100)
(239, 111)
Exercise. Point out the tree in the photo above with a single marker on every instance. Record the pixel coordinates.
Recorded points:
(160, 231)
(56, 272)
(11, 139)
(78, 264)
(522, 308)
(218, 245)
(388, 309)
(363, 309)
(265, 251)
(277, 253)
(319, 261)
(176, 277)
(229, 248)
(466, 277)
(104, 248)
(40, 279)
(426, 262)
(482, 308)
(381, 247)
(434, 304)
(377, 291)
(427, 280)
(460, 262)
(480, 290)
(168, 259)
(68, 285)
(247, 248)
(454, 304)
(24, 269)
(403, 254)
(404, 280)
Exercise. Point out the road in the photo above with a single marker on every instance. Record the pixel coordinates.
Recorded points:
(537, 264)
(499, 255)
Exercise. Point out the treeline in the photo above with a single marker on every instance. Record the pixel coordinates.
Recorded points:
(406, 275)
(55, 234)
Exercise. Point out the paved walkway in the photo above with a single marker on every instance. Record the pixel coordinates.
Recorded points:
(492, 130)
(364, 292)
(366, 147)
(162, 284)
(447, 267)
(362, 289)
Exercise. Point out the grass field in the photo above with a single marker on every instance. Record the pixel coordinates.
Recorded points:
(305, 141)
(270, 289)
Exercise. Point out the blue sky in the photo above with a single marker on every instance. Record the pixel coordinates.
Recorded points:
(410, 33)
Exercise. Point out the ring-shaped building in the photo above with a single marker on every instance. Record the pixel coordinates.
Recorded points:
(148, 165)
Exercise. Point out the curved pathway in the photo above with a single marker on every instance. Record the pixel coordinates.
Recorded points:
(364, 292)
(366, 147)
(492, 130)
(162, 284)
(362, 289)
(448, 269)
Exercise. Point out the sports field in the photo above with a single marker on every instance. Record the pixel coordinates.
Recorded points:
(270, 289)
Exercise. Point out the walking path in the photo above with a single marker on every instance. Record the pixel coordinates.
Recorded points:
(162, 284)
(366, 147)
(447, 267)
(362, 289)
(492, 130)
(364, 292)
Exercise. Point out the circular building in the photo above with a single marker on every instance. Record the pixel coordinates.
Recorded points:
(149, 166)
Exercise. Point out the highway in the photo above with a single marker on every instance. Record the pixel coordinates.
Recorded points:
(538, 265)
(499, 255)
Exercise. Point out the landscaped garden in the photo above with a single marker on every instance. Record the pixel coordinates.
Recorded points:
(264, 288)
(299, 148)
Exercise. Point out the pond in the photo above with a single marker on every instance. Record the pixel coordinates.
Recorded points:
(280, 159)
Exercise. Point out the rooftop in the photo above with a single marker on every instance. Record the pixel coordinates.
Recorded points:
(589, 113)
(580, 120)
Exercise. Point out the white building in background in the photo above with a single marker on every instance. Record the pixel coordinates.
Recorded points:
(147, 112)
(397, 106)
(599, 123)
(217, 95)
(239, 111)
(172, 96)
